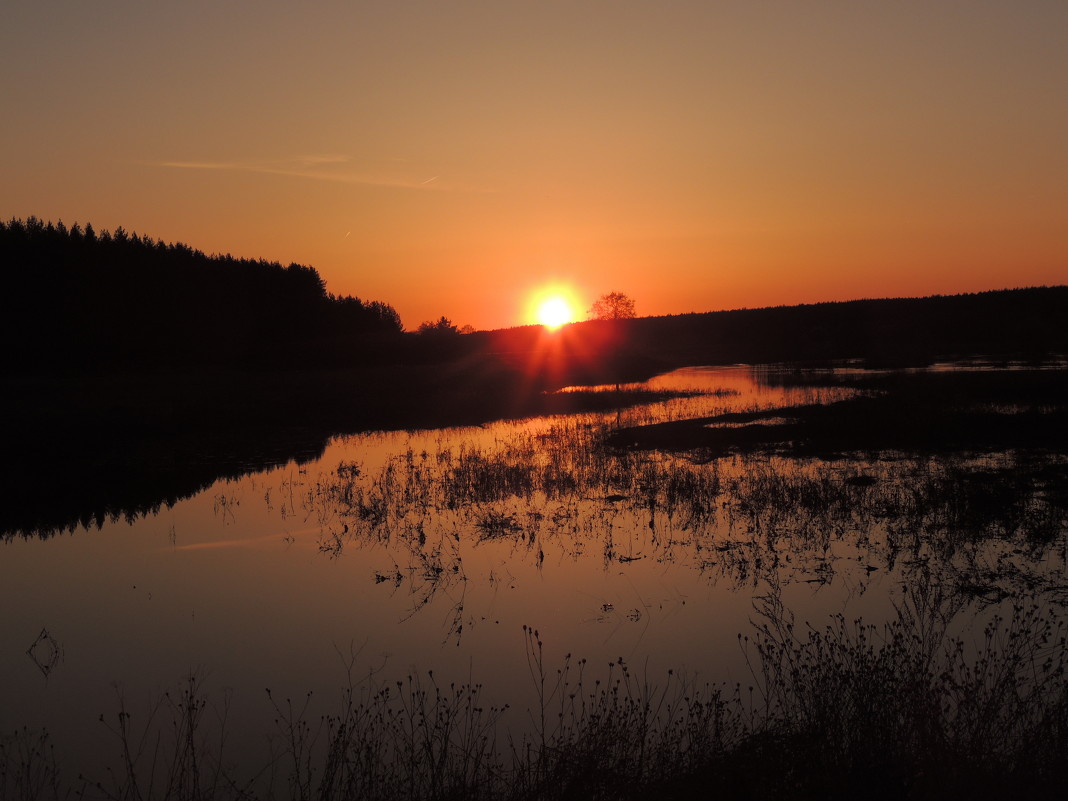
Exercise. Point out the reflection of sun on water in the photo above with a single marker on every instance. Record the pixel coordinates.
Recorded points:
(553, 307)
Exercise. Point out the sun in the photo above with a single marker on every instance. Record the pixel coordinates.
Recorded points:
(552, 305)
(555, 311)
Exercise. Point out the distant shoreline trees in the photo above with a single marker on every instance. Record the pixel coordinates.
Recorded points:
(443, 327)
(79, 298)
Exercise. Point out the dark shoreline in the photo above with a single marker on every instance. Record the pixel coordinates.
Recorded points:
(105, 440)
(916, 412)
(85, 449)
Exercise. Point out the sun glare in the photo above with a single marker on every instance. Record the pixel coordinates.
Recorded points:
(554, 312)
(552, 305)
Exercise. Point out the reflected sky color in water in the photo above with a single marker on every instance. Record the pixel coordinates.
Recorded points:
(286, 579)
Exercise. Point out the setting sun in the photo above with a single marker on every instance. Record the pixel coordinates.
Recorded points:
(552, 305)
(555, 312)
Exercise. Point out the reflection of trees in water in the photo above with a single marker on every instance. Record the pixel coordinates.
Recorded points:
(53, 494)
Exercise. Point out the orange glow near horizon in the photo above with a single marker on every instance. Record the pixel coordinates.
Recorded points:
(713, 156)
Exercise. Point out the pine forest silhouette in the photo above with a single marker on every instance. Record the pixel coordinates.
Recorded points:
(77, 298)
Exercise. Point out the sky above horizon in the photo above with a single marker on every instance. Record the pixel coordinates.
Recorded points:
(455, 158)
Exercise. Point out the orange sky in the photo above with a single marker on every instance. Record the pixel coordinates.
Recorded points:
(450, 158)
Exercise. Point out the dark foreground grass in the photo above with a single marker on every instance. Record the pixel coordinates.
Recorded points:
(840, 711)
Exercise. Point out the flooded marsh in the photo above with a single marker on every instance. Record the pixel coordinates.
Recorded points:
(728, 575)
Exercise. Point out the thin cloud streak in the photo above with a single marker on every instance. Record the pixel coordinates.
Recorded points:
(364, 179)
(323, 158)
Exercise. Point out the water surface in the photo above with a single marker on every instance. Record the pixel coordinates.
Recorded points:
(396, 553)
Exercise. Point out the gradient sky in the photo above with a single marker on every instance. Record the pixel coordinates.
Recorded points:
(450, 158)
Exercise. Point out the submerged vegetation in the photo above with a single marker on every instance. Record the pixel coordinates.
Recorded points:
(988, 521)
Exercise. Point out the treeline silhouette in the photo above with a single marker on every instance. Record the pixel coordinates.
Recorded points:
(1017, 323)
(77, 298)
(1022, 324)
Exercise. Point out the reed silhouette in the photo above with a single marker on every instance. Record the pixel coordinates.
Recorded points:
(832, 709)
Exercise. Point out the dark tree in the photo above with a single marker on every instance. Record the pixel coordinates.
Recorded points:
(440, 327)
(612, 306)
